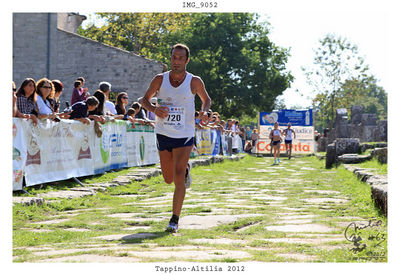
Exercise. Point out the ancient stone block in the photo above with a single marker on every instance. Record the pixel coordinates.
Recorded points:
(356, 112)
(380, 154)
(347, 146)
(330, 156)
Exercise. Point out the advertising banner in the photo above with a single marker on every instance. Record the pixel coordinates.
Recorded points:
(19, 151)
(302, 125)
(295, 117)
(302, 132)
(58, 150)
(110, 149)
(263, 146)
(215, 142)
(203, 141)
(141, 146)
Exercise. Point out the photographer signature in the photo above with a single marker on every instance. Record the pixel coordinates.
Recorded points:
(353, 234)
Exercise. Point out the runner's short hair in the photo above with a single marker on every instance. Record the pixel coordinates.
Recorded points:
(182, 47)
(104, 86)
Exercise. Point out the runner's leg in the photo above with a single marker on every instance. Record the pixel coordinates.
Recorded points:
(167, 165)
(180, 160)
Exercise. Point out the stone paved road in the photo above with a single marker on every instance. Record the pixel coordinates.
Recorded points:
(290, 212)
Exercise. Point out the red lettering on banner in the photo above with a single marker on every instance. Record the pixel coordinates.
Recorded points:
(258, 145)
(306, 148)
(299, 147)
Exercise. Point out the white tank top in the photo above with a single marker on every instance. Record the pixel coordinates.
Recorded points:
(180, 101)
(288, 134)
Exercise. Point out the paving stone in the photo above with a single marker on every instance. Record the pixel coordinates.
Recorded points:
(299, 228)
(124, 237)
(133, 228)
(325, 200)
(314, 241)
(204, 222)
(77, 229)
(299, 257)
(92, 259)
(51, 221)
(218, 241)
(191, 254)
(321, 191)
(41, 230)
(28, 200)
(66, 194)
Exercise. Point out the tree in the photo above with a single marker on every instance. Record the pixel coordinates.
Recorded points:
(243, 70)
(336, 61)
(141, 33)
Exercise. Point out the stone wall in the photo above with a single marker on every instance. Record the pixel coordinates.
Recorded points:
(69, 55)
(365, 127)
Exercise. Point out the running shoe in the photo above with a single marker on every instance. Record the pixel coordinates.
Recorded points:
(172, 227)
(188, 178)
(279, 160)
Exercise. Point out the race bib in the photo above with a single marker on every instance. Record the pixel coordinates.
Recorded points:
(175, 119)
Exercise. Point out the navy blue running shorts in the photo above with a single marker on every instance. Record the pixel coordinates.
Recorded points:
(288, 141)
(168, 143)
(276, 142)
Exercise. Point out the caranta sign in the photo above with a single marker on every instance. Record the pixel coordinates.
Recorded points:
(302, 125)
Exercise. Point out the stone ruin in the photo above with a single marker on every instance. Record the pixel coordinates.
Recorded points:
(365, 127)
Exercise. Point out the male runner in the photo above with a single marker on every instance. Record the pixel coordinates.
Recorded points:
(288, 139)
(175, 124)
(275, 135)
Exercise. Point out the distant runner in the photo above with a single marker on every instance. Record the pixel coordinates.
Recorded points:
(288, 139)
(175, 123)
(275, 135)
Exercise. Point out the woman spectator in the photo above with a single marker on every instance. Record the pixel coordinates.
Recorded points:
(45, 91)
(58, 88)
(16, 112)
(26, 99)
(122, 102)
(101, 107)
(78, 94)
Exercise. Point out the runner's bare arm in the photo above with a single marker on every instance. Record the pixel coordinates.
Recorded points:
(151, 91)
(197, 86)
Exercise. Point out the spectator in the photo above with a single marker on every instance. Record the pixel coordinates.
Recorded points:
(122, 102)
(140, 116)
(139, 113)
(242, 135)
(100, 109)
(105, 87)
(45, 91)
(16, 112)
(58, 88)
(83, 90)
(254, 137)
(248, 133)
(26, 99)
(248, 147)
(81, 109)
(78, 93)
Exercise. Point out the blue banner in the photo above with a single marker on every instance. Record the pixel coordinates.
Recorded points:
(283, 117)
(215, 142)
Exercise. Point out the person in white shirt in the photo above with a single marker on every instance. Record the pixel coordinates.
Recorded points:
(174, 124)
(289, 136)
(105, 87)
(45, 90)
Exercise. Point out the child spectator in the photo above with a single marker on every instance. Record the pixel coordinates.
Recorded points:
(81, 109)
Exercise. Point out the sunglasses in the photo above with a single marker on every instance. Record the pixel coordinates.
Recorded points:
(125, 97)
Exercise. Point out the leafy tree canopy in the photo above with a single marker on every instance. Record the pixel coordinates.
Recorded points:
(242, 69)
